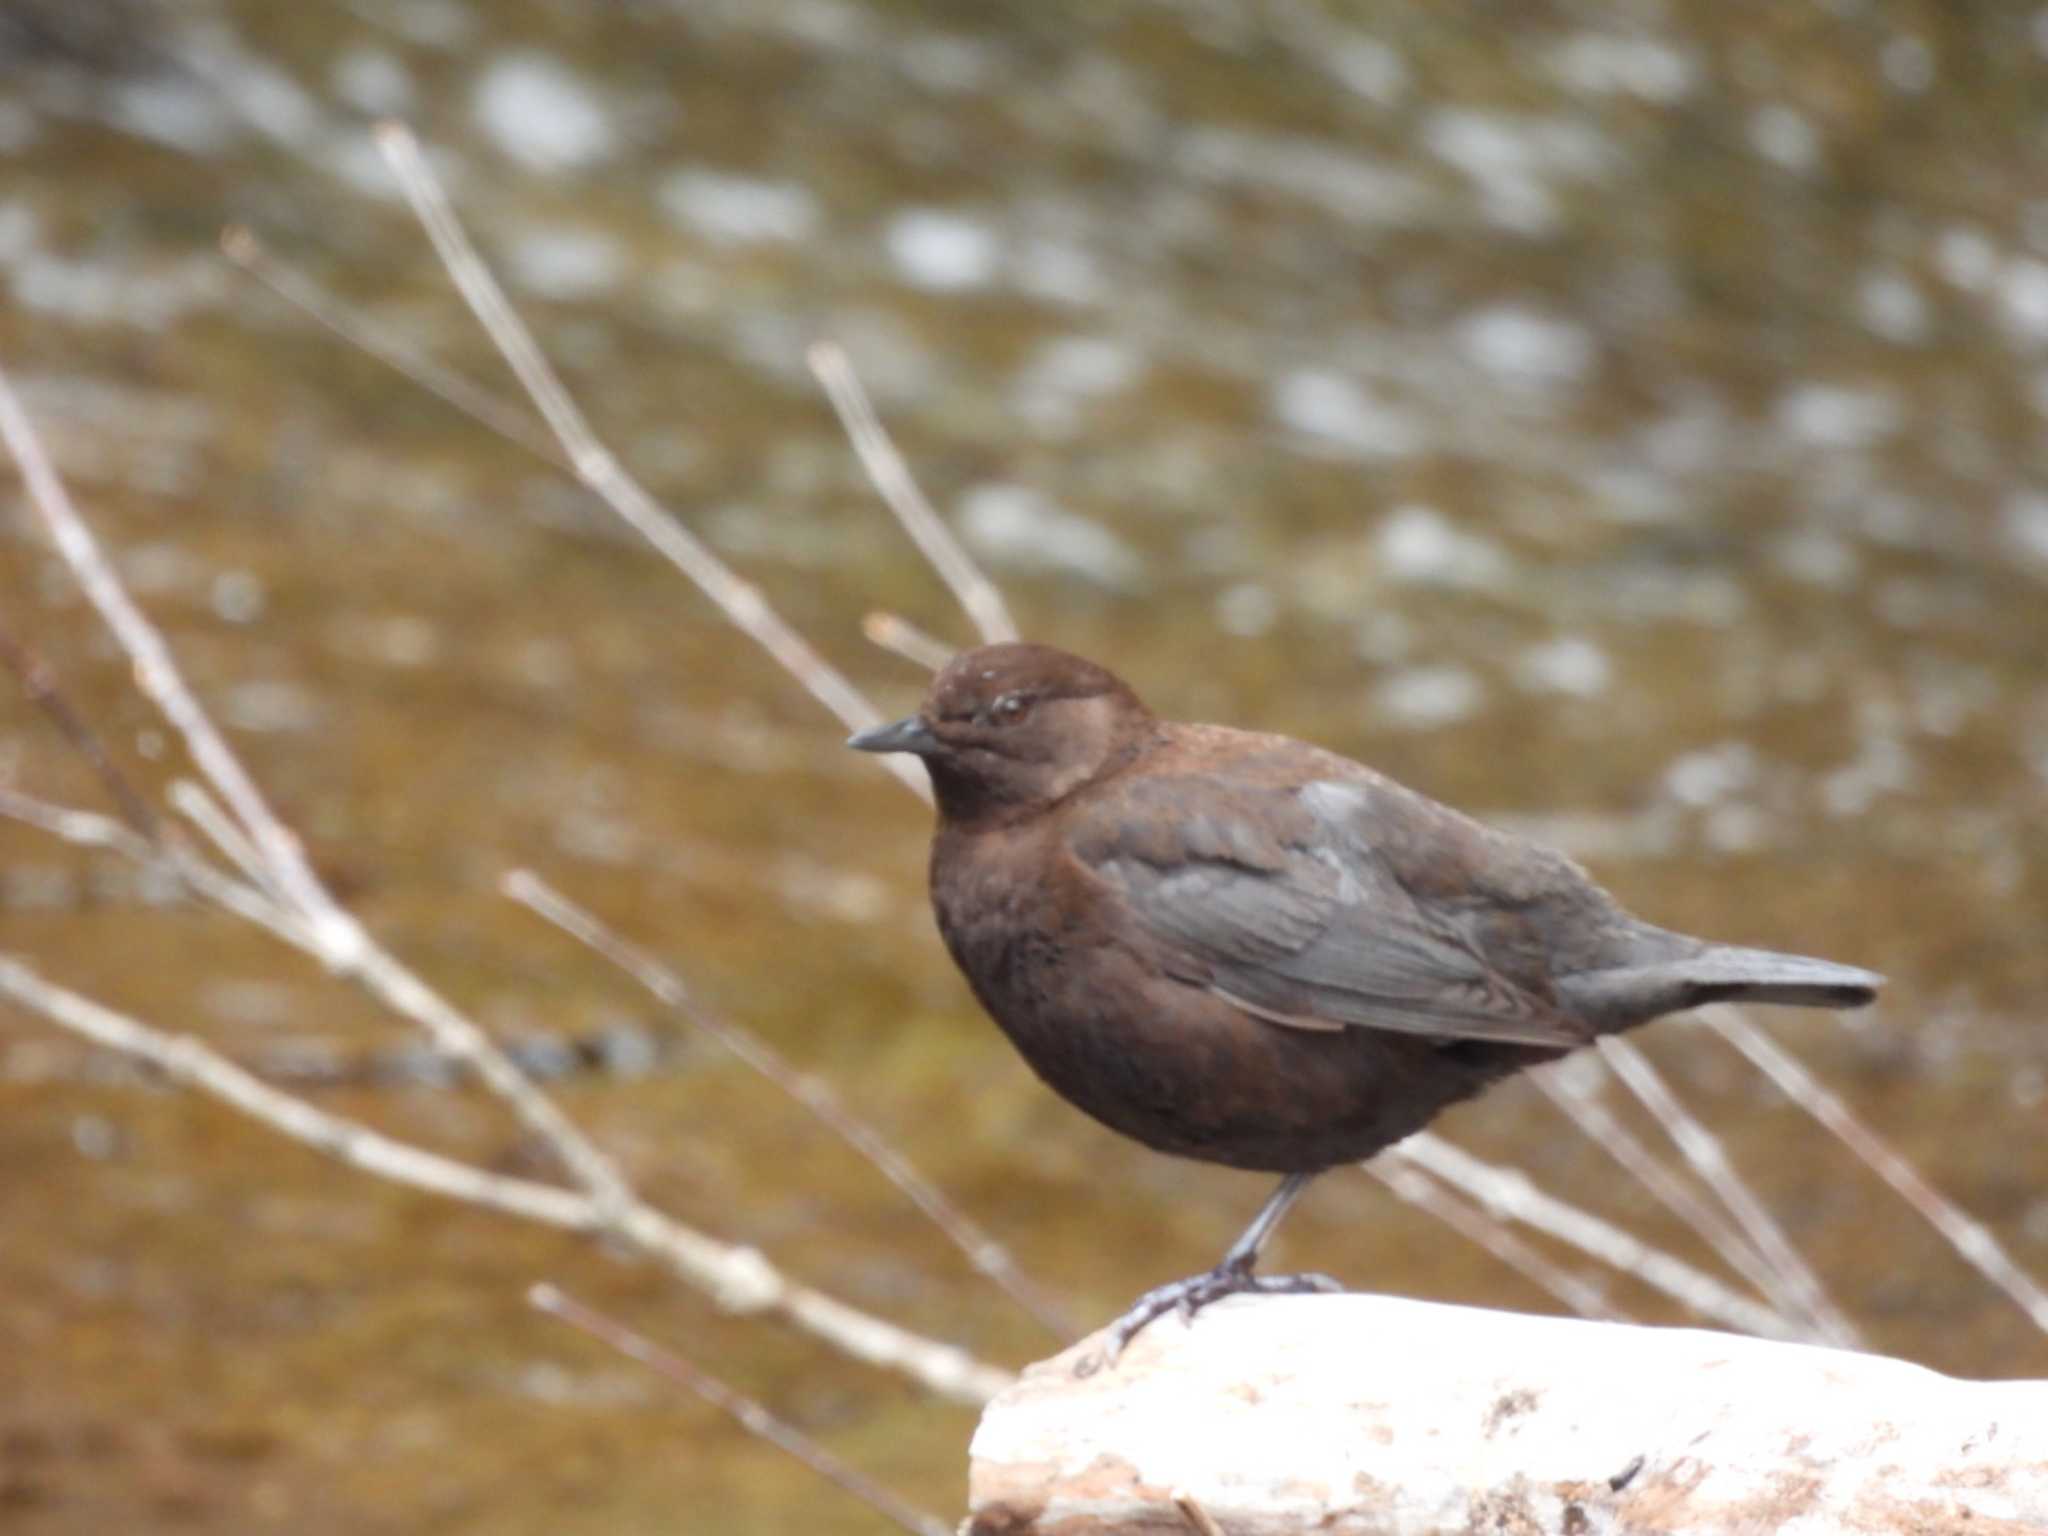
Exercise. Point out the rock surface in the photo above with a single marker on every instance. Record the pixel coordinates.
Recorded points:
(1376, 1414)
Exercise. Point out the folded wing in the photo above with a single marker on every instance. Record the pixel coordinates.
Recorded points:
(1276, 898)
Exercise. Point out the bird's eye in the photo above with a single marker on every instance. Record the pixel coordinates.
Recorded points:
(1009, 709)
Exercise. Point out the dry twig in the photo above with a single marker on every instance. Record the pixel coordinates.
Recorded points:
(597, 467)
(1412, 1186)
(975, 593)
(752, 1416)
(1510, 1193)
(1585, 1111)
(1700, 1147)
(1969, 1237)
(987, 1255)
(39, 683)
(902, 638)
(739, 1278)
(241, 246)
(340, 942)
(90, 829)
(193, 1064)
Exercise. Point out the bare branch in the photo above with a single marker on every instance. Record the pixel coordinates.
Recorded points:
(193, 1064)
(891, 477)
(89, 829)
(750, 1415)
(1410, 1184)
(156, 673)
(1702, 1149)
(241, 246)
(1509, 1192)
(339, 941)
(1591, 1118)
(596, 466)
(740, 1279)
(905, 639)
(39, 682)
(987, 1255)
(191, 801)
(1969, 1237)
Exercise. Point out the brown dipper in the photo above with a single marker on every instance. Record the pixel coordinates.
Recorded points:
(1246, 949)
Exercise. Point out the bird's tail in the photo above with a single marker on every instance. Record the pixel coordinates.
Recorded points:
(1716, 973)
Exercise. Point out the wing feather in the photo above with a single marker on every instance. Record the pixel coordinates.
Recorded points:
(1276, 898)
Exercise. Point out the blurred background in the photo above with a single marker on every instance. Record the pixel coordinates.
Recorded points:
(1630, 424)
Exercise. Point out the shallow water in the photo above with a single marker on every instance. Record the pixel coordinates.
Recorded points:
(1635, 437)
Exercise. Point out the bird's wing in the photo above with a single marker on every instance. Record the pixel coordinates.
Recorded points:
(1277, 898)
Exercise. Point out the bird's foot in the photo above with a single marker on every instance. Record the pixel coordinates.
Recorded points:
(1189, 1296)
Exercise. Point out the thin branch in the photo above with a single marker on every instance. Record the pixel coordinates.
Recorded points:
(1969, 1237)
(891, 477)
(241, 246)
(750, 1415)
(1585, 1113)
(1703, 1150)
(1509, 1192)
(39, 682)
(190, 800)
(193, 1064)
(1411, 1185)
(90, 829)
(576, 449)
(595, 465)
(339, 941)
(983, 1251)
(902, 638)
(156, 673)
(740, 1279)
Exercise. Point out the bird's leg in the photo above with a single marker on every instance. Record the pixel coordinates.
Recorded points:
(1232, 1276)
(1251, 1242)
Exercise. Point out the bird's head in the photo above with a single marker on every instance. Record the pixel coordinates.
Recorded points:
(1012, 728)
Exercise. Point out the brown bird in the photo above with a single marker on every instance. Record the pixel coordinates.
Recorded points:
(1245, 949)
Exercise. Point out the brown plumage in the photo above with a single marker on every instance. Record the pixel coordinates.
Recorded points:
(1245, 949)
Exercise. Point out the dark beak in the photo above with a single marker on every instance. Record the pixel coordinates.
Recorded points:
(906, 735)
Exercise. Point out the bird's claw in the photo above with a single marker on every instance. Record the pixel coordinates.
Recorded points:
(1189, 1296)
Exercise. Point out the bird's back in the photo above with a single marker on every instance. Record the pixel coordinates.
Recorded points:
(1530, 910)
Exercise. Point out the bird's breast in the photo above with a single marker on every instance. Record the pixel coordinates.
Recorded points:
(1008, 925)
(1162, 1058)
